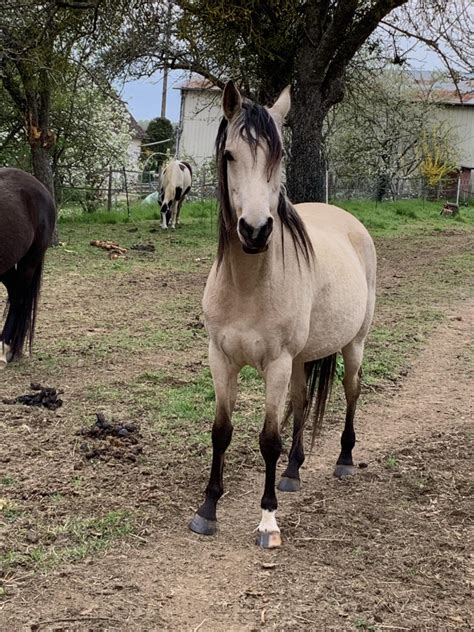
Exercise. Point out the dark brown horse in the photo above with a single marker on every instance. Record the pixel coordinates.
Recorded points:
(27, 218)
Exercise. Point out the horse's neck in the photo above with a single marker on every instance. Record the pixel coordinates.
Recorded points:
(249, 273)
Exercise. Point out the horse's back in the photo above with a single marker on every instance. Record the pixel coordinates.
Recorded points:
(177, 173)
(27, 216)
(328, 217)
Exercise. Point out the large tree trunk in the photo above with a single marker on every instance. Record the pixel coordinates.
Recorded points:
(41, 139)
(306, 172)
(42, 169)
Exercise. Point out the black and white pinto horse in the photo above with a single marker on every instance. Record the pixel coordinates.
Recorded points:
(27, 219)
(176, 177)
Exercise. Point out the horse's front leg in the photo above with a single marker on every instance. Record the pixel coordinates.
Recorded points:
(225, 383)
(277, 377)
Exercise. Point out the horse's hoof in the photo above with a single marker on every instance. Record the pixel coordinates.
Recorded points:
(288, 484)
(343, 471)
(269, 539)
(203, 526)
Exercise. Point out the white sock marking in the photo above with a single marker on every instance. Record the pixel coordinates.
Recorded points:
(5, 353)
(268, 522)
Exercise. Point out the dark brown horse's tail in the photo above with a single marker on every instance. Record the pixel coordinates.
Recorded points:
(319, 380)
(25, 316)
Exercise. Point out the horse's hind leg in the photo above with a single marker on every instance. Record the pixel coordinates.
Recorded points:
(290, 480)
(352, 354)
(175, 206)
(23, 286)
(180, 204)
(5, 348)
(225, 384)
(6, 352)
(178, 210)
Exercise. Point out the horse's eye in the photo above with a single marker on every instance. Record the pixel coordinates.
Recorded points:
(228, 156)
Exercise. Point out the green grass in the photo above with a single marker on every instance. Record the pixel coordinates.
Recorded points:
(391, 462)
(415, 306)
(167, 388)
(192, 212)
(410, 315)
(70, 541)
(7, 480)
(193, 245)
(406, 217)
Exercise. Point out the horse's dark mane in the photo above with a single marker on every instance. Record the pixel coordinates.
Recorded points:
(256, 126)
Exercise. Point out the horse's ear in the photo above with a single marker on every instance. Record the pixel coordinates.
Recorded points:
(231, 101)
(282, 106)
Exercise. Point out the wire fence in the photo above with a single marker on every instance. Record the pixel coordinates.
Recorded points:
(116, 187)
(457, 189)
(122, 188)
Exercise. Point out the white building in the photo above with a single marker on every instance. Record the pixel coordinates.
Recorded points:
(138, 135)
(201, 113)
(455, 108)
(199, 120)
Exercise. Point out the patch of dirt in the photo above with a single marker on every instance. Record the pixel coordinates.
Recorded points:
(164, 577)
(143, 247)
(403, 257)
(387, 549)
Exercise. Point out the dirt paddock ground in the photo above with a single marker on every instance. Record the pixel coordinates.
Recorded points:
(93, 522)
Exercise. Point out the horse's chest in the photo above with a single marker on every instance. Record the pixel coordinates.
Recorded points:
(249, 345)
(249, 332)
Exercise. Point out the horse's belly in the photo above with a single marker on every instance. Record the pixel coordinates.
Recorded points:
(336, 323)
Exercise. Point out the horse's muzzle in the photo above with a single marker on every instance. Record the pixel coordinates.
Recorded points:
(255, 240)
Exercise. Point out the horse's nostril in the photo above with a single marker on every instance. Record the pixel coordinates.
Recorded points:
(269, 226)
(258, 235)
(245, 229)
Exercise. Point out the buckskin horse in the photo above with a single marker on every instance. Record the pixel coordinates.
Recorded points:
(27, 219)
(176, 179)
(290, 288)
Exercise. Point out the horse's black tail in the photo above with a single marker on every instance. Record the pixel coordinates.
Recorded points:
(319, 380)
(25, 313)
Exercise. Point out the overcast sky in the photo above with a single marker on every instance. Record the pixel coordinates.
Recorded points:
(143, 97)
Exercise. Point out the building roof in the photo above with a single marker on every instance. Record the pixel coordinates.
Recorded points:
(442, 89)
(197, 83)
(137, 131)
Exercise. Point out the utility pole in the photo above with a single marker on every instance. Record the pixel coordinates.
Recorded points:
(164, 92)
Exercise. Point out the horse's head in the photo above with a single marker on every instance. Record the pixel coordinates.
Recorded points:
(249, 149)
